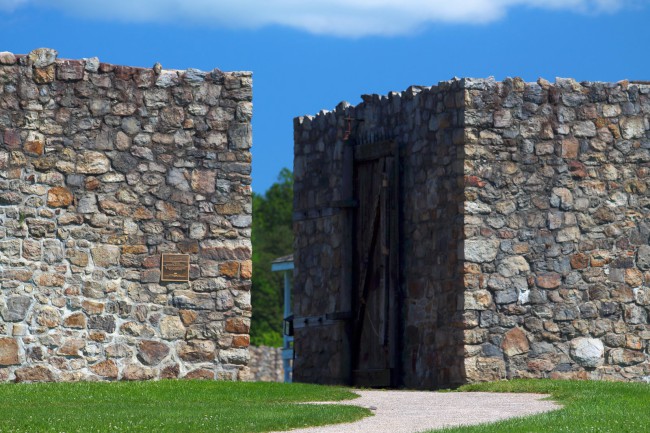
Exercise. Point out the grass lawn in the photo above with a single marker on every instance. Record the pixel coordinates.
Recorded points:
(169, 406)
(588, 407)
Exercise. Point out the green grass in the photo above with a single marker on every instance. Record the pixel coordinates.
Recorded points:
(589, 406)
(169, 406)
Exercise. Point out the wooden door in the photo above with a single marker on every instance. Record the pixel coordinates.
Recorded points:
(376, 296)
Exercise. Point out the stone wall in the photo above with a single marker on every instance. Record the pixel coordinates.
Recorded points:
(103, 169)
(425, 122)
(266, 364)
(557, 227)
(525, 229)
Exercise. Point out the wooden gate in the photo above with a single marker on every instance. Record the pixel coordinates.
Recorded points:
(375, 290)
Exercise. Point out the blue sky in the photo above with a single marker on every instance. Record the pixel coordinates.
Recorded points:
(310, 55)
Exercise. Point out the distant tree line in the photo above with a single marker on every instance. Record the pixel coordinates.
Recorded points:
(272, 237)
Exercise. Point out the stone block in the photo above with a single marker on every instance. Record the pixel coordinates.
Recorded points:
(515, 342)
(152, 352)
(75, 320)
(196, 350)
(91, 162)
(200, 374)
(106, 255)
(42, 57)
(137, 372)
(203, 181)
(237, 325)
(587, 352)
(70, 70)
(107, 369)
(38, 373)
(9, 352)
(15, 308)
(172, 328)
(186, 299)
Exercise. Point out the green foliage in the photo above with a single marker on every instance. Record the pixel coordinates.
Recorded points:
(272, 237)
(588, 406)
(169, 406)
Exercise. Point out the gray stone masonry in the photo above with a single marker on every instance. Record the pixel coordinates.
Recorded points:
(103, 168)
(525, 240)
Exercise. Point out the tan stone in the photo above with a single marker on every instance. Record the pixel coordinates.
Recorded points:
(246, 270)
(549, 280)
(245, 375)
(152, 352)
(135, 249)
(188, 316)
(72, 347)
(579, 261)
(75, 320)
(31, 249)
(151, 262)
(136, 372)
(196, 350)
(92, 307)
(188, 246)
(200, 374)
(34, 147)
(626, 357)
(475, 336)
(91, 162)
(600, 258)
(515, 342)
(48, 316)
(633, 277)
(22, 275)
(110, 207)
(9, 352)
(478, 300)
(38, 373)
(142, 213)
(44, 75)
(241, 341)
(229, 269)
(171, 328)
(59, 196)
(77, 258)
(107, 369)
(106, 255)
(92, 183)
(570, 148)
(540, 365)
(203, 181)
(137, 330)
(51, 280)
(170, 372)
(228, 209)
(166, 211)
(97, 336)
(237, 325)
(479, 369)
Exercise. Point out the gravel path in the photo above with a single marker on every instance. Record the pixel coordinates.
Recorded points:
(415, 411)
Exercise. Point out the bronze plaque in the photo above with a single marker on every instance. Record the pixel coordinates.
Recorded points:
(175, 267)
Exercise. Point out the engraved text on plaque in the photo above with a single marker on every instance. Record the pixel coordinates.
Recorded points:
(175, 267)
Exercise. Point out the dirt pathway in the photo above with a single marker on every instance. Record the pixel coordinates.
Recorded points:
(415, 411)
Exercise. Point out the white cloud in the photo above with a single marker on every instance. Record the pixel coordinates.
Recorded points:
(10, 5)
(332, 17)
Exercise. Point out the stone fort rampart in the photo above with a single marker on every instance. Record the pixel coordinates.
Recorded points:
(106, 170)
(524, 242)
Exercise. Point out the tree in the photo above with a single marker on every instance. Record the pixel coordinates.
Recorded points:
(272, 237)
